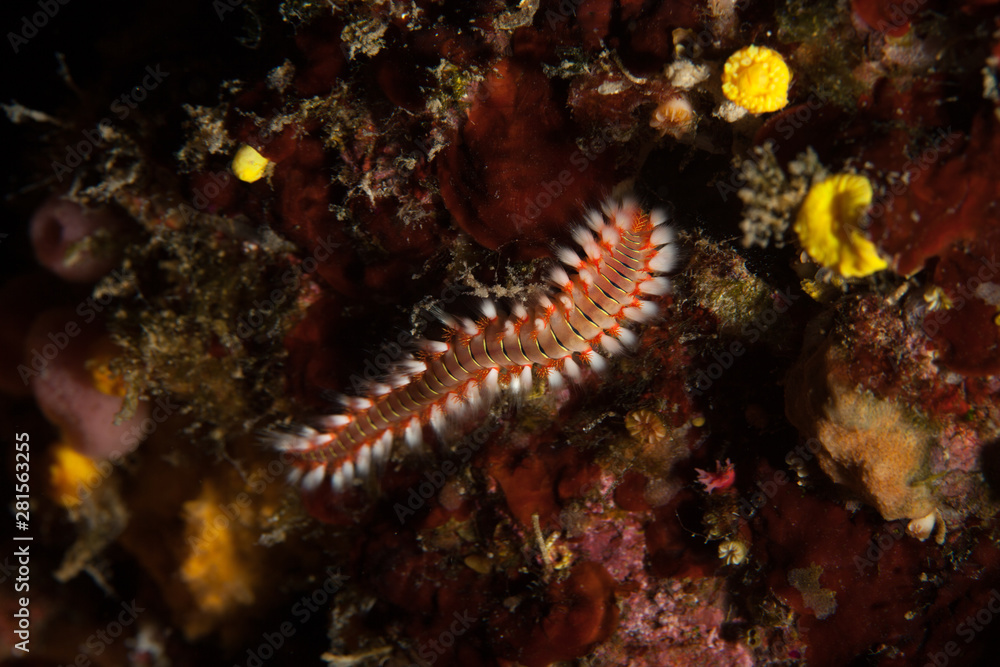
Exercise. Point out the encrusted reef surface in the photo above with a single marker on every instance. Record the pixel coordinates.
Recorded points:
(225, 216)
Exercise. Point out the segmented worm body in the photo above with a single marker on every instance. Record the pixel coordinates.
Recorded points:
(549, 336)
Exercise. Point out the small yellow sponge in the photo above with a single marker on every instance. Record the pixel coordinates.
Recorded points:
(829, 226)
(757, 79)
(71, 475)
(249, 165)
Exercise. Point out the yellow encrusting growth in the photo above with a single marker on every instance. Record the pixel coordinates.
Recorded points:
(69, 473)
(104, 379)
(757, 79)
(216, 570)
(829, 226)
(249, 165)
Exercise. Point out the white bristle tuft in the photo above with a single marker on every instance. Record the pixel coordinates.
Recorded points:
(582, 235)
(363, 462)
(616, 216)
(433, 346)
(453, 405)
(558, 276)
(611, 345)
(286, 443)
(657, 217)
(610, 235)
(571, 369)
(312, 479)
(491, 383)
(664, 259)
(414, 434)
(438, 419)
(397, 381)
(662, 235)
(646, 311)
(568, 257)
(412, 366)
(566, 303)
(585, 238)
(594, 219)
(336, 421)
(294, 475)
(446, 319)
(488, 309)
(358, 402)
(473, 397)
(348, 471)
(469, 327)
(300, 444)
(626, 214)
(382, 448)
(556, 381)
(337, 481)
(379, 389)
(519, 311)
(655, 286)
(597, 363)
(627, 338)
(526, 379)
(587, 276)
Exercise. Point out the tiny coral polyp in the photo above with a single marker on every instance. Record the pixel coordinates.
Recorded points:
(757, 79)
(829, 226)
(554, 335)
